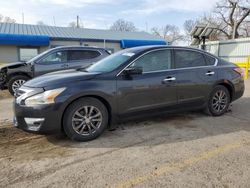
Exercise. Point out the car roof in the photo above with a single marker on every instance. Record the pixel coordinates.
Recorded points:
(155, 47)
(79, 47)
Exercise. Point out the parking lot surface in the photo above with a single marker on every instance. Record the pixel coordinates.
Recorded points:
(182, 150)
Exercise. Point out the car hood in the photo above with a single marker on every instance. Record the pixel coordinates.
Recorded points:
(13, 65)
(60, 78)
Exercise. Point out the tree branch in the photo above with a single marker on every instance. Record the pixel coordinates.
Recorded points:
(234, 4)
(224, 18)
(243, 17)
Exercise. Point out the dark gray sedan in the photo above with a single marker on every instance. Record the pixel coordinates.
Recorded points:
(135, 82)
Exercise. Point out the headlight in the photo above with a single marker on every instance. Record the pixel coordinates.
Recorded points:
(47, 97)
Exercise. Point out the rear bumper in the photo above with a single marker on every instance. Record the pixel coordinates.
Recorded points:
(239, 89)
(41, 119)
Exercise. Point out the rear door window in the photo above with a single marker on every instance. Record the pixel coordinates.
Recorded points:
(77, 55)
(188, 58)
(210, 60)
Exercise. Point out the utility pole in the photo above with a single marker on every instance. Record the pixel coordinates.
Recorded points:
(77, 22)
(23, 17)
(54, 20)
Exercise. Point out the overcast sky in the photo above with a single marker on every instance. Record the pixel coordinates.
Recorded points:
(102, 13)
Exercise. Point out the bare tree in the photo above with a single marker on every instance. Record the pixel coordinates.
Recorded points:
(188, 27)
(244, 29)
(206, 19)
(40, 23)
(170, 33)
(123, 25)
(7, 19)
(74, 25)
(231, 14)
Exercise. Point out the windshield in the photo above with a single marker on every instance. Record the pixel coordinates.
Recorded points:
(110, 63)
(38, 56)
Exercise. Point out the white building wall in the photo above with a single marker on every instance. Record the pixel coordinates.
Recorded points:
(110, 45)
(64, 43)
(8, 54)
(231, 50)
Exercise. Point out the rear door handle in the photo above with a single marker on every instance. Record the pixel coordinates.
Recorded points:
(65, 66)
(169, 79)
(210, 73)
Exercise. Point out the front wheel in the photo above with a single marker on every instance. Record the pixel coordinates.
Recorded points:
(219, 101)
(85, 119)
(16, 82)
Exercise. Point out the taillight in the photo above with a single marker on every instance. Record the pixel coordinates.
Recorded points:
(239, 71)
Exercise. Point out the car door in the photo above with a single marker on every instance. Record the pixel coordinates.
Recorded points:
(152, 89)
(195, 77)
(54, 61)
(82, 58)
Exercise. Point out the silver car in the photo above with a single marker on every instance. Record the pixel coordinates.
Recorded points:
(13, 75)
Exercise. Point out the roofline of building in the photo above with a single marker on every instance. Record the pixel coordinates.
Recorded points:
(91, 40)
(83, 39)
(90, 29)
(65, 27)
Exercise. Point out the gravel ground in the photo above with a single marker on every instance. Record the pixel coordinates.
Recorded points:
(6, 114)
(4, 94)
(183, 150)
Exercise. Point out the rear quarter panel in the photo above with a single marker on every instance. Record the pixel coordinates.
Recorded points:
(227, 75)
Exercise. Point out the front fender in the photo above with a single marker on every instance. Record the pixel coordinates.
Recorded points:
(103, 90)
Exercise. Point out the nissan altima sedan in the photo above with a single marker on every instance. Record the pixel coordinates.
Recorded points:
(133, 82)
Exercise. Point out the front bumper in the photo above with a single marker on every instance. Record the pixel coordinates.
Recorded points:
(2, 81)
(40, 119)
(3, 86)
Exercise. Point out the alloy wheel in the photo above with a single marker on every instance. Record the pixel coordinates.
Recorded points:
(87, 120)
(17, 84)
(219, 101)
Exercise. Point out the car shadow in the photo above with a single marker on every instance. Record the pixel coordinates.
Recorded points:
(163, 129)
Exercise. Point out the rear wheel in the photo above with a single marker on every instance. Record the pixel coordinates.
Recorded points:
(16, 82)
(85, 119)
(219, 101)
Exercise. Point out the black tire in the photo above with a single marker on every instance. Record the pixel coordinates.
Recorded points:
(73, 128)
(218, 107)
(15, 79)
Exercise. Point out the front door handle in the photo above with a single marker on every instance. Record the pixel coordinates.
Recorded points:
(169, 79)
(210, 73)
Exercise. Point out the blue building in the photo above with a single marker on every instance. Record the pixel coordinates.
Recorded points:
(20, 42)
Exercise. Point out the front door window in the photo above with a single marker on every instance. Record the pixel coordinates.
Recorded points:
(55, 57)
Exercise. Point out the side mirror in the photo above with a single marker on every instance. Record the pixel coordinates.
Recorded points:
(133, 70)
